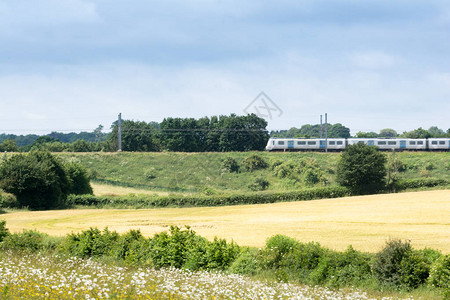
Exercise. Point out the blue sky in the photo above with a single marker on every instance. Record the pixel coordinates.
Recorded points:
(70, 65)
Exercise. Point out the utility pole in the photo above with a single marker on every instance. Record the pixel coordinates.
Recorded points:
(326, 133)
(321, 128)
(119, 133)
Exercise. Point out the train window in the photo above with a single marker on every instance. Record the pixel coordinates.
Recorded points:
(301, 143)
(280, 142)
(331, 143)
(441, 142)
(311, 143)
(392, 143)
(433, 142)
(419, 142)
(412, 142)
(381, 143)
(339, 142)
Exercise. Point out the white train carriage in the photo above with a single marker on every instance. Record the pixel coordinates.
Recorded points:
(439, 144)
(286, 144)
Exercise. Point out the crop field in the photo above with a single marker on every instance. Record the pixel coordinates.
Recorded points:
(365, 222)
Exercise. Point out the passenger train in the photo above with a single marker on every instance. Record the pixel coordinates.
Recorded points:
(339, 144)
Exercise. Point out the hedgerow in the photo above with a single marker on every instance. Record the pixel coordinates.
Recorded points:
(149, 201)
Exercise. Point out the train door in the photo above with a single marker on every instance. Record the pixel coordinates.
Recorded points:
(402, 144)
(322, 144)
(290, 144)
(371, 143)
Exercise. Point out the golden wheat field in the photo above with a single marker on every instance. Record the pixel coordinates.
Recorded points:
(365, 222)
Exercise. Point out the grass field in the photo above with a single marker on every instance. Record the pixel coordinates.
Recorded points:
(365, 222)
(193, 172)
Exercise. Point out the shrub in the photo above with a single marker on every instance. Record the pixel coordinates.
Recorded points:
(313, 175)
(28, 241)
(246, 263)
(8, 200)
(220, 254)
(260, 184)
(362, 169)
(124, 244)
(78, 179)
(387, 264)
(37, 179)
(3, 230)
(229, 164)
(254, 162)
(414, 270)
(277, 247)
(90, 243)
(440, 275)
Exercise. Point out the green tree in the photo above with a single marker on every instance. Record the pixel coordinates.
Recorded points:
(362, 135)
(388, 133)
(418, 133)
(9, 146)
(136, 136)
(37, 179)
(436, 132)
(362, 168)
(78, 178)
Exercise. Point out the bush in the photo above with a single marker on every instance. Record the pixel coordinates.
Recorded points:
(414, 270)
(8, 200)
(121, 249)
(4, 232)
(28, 241)
(362, 169)
(220, 254)
(229, 164)
(387, 266)
(90, 243)
(78, 179)
(420, 183)
(260, 184)
(245, 264)
(440, 275)
(37, 179)
(277, 247)
(254, 162)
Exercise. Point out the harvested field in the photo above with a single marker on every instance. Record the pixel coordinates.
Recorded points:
(365, 222)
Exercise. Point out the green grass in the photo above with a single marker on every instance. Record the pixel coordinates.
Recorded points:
(193, 172)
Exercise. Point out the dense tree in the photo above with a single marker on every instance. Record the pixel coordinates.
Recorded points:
(366, 135)
(78, 178)
(362, 169)
(9, 146)
(418, 133)
(37, 179)
(313, 131)
(436, 132)
(136, 136)
(388, 133)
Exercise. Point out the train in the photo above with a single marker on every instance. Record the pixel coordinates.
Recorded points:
(339, 144)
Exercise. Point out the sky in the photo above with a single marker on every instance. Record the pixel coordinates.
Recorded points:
(71, 65)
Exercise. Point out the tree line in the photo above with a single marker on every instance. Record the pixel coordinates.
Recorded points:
(207, 134)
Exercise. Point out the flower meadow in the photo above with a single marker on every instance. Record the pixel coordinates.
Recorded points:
(39, 276)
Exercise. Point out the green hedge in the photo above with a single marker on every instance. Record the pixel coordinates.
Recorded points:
(420, 183)
(150, 201)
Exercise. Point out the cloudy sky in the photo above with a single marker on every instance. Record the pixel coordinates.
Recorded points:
(70, 65)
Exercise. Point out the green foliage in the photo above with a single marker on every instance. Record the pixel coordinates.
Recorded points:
(78, 178)
(277, 247)
(246, 263)
(440, 275)
(150, 201)
(27, 241)
(260, 184)
(136, 136)
(4, 232)
(220, 254)
(8, 200)
(414, 270)
(254, 162)
(37, 179)
(122, 249)
(90, 243)
(9, 146)
(313, 131)
(229, 164)
(387, 266)
(362, 169)
(415, 183)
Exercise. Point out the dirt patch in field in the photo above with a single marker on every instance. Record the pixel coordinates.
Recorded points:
(365, 222)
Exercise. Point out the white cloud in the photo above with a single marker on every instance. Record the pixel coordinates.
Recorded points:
(373, 60)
